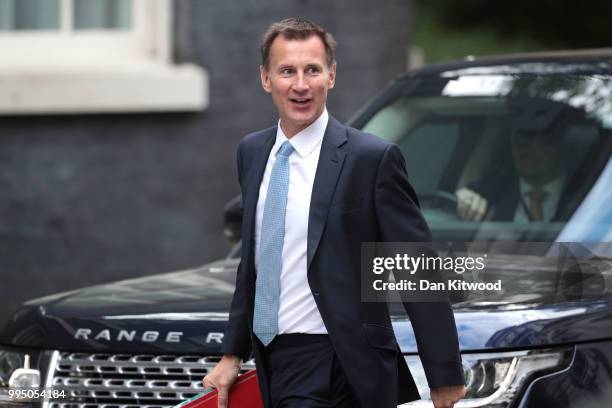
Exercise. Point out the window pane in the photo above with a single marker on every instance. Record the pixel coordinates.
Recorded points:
(92, 14)
(29, 14)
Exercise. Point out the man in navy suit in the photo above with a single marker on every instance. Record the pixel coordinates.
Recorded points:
(313, 190)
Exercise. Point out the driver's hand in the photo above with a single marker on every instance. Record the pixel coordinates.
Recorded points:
(222, 377)
(471, 206)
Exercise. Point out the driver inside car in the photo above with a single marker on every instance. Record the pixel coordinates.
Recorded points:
(531, 192)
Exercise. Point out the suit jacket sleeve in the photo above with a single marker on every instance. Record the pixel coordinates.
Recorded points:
(400, 220)
(237, 340)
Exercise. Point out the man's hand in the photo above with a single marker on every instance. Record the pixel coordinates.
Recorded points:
(446, 397)
(471, 206)
(222, 377)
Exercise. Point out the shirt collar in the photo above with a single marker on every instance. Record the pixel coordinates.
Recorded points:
(307, 139)
(551, 188)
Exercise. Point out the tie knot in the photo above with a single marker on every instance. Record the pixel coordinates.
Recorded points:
(286, 149)
(537, 195)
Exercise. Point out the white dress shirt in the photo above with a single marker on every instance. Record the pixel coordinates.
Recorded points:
(298, 312)
(550, 202)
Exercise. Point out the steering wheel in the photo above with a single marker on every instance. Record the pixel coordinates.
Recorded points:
(439, 199)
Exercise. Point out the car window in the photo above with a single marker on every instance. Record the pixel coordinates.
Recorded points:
(532, 147)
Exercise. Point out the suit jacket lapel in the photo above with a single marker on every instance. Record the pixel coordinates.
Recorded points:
(260, 159)
(330, 164)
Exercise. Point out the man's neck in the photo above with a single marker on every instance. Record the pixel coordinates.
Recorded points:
(542, 181)
(289, 132)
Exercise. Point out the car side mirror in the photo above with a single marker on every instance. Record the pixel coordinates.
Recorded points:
(232, 220)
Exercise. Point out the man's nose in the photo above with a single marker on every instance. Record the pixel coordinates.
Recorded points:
(300, 84)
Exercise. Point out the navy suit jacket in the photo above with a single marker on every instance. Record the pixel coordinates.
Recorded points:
(361, 194)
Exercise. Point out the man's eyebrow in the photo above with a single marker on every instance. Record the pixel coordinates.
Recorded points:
(283, 66)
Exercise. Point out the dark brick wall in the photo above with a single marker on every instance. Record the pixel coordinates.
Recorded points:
(86, 199)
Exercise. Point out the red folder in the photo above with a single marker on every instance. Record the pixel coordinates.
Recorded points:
(243, 394)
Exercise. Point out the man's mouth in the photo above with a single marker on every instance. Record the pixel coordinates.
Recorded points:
(300, 101)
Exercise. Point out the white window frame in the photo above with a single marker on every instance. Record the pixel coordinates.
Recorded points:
(99, 71)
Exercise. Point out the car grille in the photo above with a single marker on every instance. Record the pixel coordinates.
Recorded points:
(129, 381)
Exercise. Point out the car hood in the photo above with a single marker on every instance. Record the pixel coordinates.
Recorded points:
(187, 311)
(182, 312)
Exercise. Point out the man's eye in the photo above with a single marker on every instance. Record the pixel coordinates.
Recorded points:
(312, 70)
(286, 71)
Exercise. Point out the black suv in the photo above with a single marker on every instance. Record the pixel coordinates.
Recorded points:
(477, 135)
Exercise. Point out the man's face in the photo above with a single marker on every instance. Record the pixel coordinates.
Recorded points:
(537, 159)
(298, 79)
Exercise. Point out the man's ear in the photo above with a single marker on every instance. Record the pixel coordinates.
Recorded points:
(332, 76)
(265, 79)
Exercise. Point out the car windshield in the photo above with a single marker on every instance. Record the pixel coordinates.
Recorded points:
(533, 151)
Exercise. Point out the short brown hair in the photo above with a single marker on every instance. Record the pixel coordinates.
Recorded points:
(296, 28)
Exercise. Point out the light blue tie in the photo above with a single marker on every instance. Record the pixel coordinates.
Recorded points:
(270, 259)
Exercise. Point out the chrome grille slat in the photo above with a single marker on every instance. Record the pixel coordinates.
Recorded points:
(129, 381)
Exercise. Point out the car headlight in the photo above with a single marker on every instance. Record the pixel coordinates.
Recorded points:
(493, 380)
(16, 372)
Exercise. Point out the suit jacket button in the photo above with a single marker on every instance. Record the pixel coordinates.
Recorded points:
(315, 293)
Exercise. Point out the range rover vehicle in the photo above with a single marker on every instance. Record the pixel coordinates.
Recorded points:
(488, 127)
